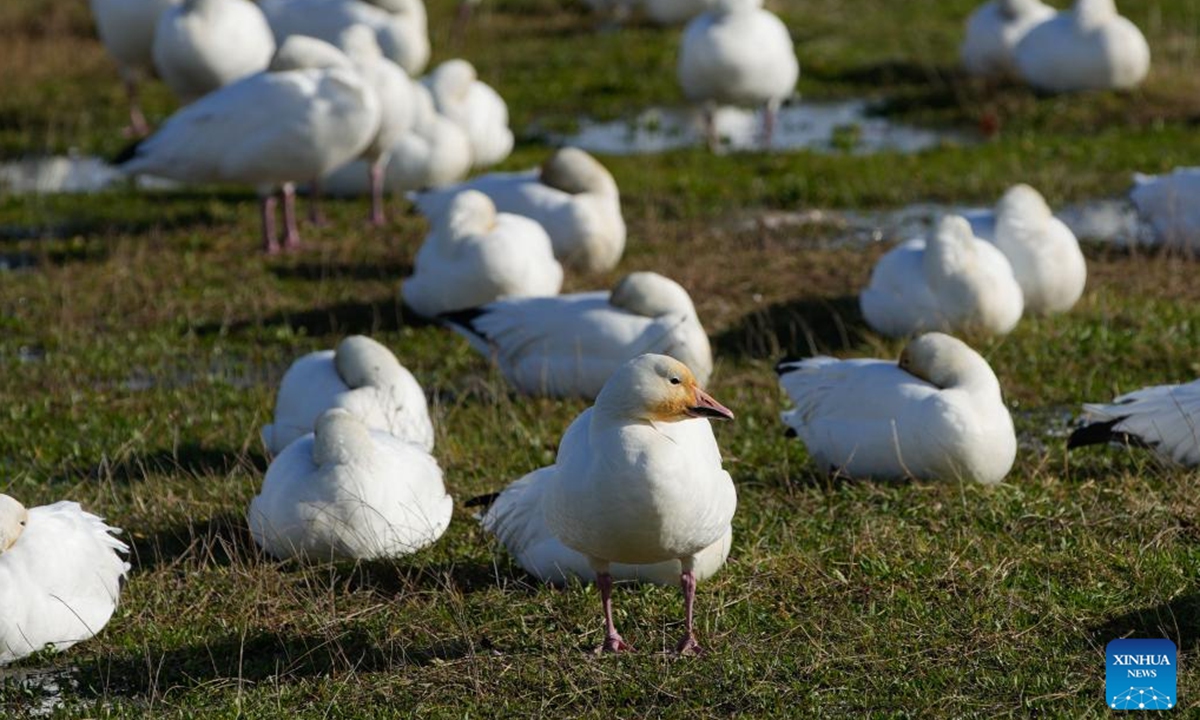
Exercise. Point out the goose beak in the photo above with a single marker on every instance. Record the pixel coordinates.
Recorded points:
(707, 407)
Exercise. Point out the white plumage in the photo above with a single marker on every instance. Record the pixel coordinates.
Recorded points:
(1171, 204)
(400, 26)
(349, 492)
(474, 106)
(1165, 418)
(126, 27)
(572, 196)
(994, 30)
(474, 255)
(638, 480)
(569, 345)
(361, 376)
(937, 414)
(952, 282)
(1089, 47)
(201, 45)
(60, 576)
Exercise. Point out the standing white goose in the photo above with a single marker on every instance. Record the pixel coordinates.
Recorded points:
(1089, 47)
(953, 282)
(994, 30)
(738, 54)
(569, 345)
(474, 255)
(638, 480)
(936, 415)
(1163, 418)
(1171, 204)
(572, 196)
(475, 107)
(201, 45)
(1044, 253)
(308, 114)
(400, 26)
(126, 28)
(60, 576)
(349, 492)
(361, 376)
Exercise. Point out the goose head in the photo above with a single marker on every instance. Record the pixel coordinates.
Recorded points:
(945, 362)
(339, 437)
(300, 52)
(452, 81)
(470, 213)
(657, 388)
(13, 517)
(575, 172)
(1090, 13)
(650, 295)
(359, 44)
(726, 7)
(1014, 9)
(1022, 200)
(361, 361)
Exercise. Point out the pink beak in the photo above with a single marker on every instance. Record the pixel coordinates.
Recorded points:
(707, 407)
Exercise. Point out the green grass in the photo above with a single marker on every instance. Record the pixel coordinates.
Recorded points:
(140, 352)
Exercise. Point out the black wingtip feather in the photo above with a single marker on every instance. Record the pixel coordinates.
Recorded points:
(1102, 433)
(482, 500)
(784, 365)
(791, 433)
(464, 318)
(128, 152)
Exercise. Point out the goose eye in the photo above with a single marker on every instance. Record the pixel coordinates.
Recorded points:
(675, 380)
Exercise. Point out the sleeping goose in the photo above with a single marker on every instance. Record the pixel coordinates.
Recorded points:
(952, 283)
(937, 414)
(60, 576)
(475, 107)
(474, 255)
(361, 376)
(1043, 252)
(1171, 205)
(638, 481)
(201, 45)
(309, 113)
(400, 26)
(349, 492)
(569, 345)
(1164, 418)
(994, 30)
(738, 54)
(572, 196)
(126, 27)
(1089, 47)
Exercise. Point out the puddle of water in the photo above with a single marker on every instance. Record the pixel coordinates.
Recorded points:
(41, 688)
(69, 174)
(828, 127)
(234, 372)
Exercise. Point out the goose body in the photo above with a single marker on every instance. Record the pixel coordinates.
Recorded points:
(952, 282)
(474, 255)
(60, 576)
(1163, 418)
(349, 492)
(1089, 47)
(572, 196)
(201, 45)
(474, 106)
(361, 376)
(569, 345)
(401, 26)
(937, 414)
(994, 30)
(1171, 204)
(638, 480)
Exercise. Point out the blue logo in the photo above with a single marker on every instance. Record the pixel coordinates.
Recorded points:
(1141, 674)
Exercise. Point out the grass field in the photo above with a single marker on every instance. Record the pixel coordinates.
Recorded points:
(141, 346)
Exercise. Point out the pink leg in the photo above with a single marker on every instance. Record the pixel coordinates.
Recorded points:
(458, 31)
(270, 244)
(710, 128)
(376, 171)
(687, 644)
(291, 236)
(613, 642)
(315, 215)
(137, 121)
(769, 115)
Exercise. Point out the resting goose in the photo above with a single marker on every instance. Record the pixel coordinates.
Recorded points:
(954, 282)
(361, 376)
(1089, 47)
(994, 30)
(638, 481)
(1171, 204)
(349, 492)
(572, 196)
(400, 26)
(474, 255)
(126, 27)
(474, 106)
(309, 113)
(60, 576)
(937, 414)
(569, 345)
(201, 45)
(1164, 418)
